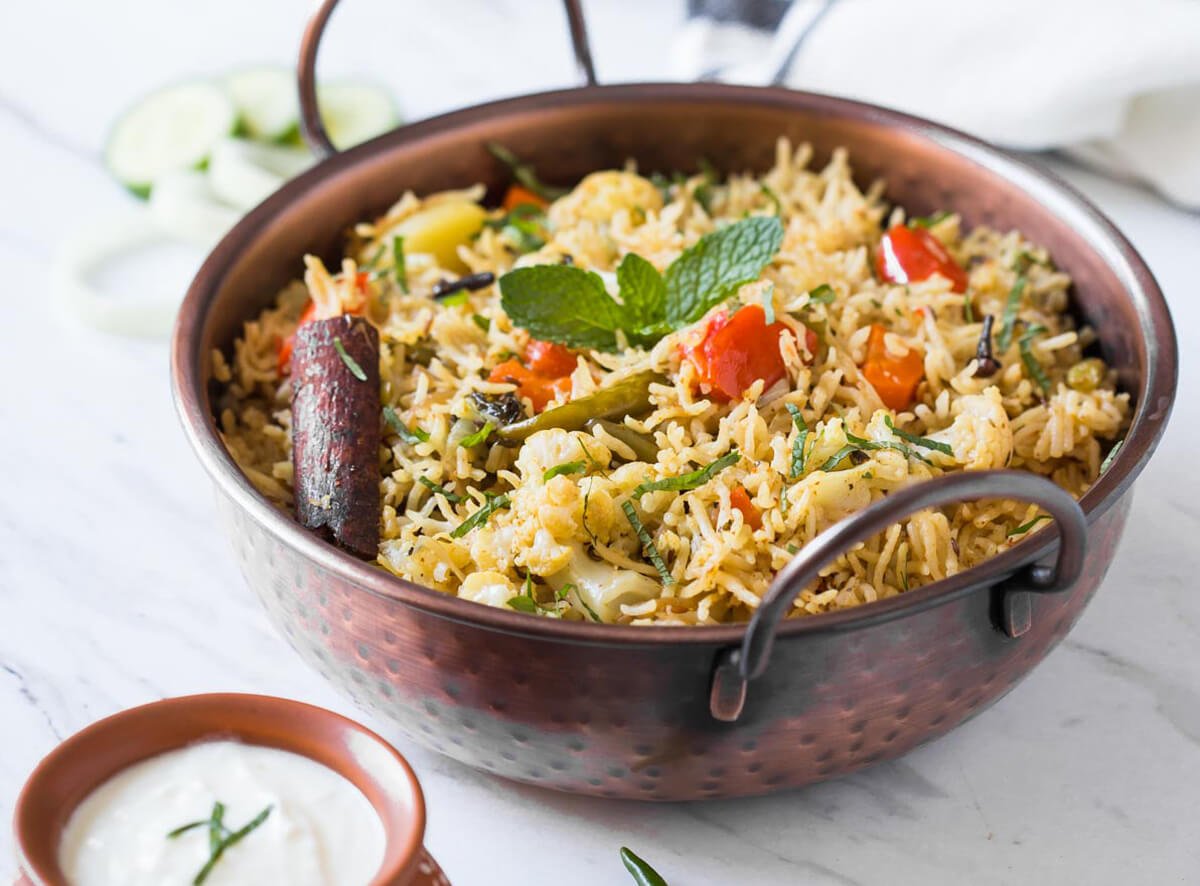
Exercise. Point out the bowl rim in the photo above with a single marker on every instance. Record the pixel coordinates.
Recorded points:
(1154, 397)
(405, 845)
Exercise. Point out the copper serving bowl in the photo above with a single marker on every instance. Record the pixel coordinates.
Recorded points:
(659, 712)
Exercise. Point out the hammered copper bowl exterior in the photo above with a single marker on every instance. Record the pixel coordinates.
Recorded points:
(620, 711)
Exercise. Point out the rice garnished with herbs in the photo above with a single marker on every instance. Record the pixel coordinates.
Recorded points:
(684, 510)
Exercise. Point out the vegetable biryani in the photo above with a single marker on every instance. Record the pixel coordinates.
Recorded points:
(635, 400)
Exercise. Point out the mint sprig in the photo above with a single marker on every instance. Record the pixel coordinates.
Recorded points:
(569, 305)
(564, 304)
(643, 296)
(720, 262)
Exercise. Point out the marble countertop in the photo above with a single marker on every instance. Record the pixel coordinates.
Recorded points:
(117, 588)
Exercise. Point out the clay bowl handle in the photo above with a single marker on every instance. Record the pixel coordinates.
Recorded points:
(738, 665)
(311, 126)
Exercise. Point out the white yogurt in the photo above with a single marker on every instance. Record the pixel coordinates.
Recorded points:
(321, 830)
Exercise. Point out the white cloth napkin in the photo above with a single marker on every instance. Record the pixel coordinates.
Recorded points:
(1113, 82)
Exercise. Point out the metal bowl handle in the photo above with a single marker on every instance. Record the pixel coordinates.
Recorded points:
(311, 125)
(737, 666)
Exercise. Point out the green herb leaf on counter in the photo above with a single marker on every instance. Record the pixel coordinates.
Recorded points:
(1025, 527)
(399, 267)
(569, 467)
(799, 456)
(494, 503)
(472, 440)
(640, 870)
(692, 480)
(411, 436)
(647, 542)
(351, 363)
(935, 445)
(452, 497)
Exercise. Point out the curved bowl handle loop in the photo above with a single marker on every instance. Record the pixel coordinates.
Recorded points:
(736, 666)
(311, 126)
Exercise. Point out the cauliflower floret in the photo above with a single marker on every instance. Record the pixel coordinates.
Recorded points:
(828, 437)
(600, 195)
(489, 588)
(981, 435)
(839, 493)
(553, 447)
(431, 562)
(602, 587)
(540, 552)
(544, 520)
(492, 545)
(547, 516)
(599, 512)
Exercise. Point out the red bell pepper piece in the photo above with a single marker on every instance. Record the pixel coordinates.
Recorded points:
(738, 349)
(894, 378)
(909, 255)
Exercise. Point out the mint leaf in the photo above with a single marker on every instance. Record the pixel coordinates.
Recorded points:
(691, 480)
(564, 304)
(645, 295)
(569, 305)
(720, 262)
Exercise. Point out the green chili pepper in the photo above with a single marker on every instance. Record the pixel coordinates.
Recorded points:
(642, 445)
(642, 873)
(629, 396)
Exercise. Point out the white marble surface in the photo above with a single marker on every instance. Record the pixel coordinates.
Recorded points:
(116, 587)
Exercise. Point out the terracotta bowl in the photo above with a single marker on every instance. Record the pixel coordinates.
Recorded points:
(90, 757)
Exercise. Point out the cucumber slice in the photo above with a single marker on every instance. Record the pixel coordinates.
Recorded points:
(174, 128)
(244, 173)
(184, 204)
(355, 112)
(266, 102)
